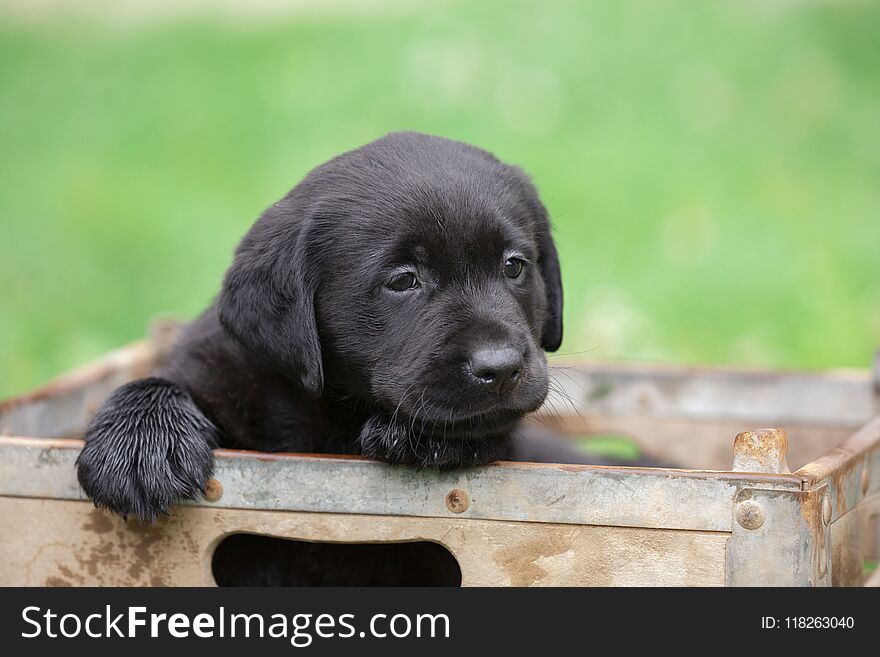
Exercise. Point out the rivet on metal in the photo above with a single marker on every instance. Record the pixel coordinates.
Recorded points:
(826, 509)
(213, 490)
(750, 514)
(458, 500)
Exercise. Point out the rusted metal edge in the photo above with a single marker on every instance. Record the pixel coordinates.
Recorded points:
(591, 495)
(841, 457)
(136, 353)
(851, 470)
(63, 408)
(77, 393)
(771, 480)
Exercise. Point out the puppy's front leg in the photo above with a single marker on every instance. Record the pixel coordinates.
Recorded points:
(147, 447)
(385, 438)
(394, 440)
(399, 440)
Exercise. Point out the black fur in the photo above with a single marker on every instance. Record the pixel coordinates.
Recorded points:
(307, 348)
(148, 446)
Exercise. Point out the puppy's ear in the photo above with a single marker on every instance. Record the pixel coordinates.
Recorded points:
(548, 261)
(267, 298)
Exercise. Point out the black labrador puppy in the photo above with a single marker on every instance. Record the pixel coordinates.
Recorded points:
(396, 303)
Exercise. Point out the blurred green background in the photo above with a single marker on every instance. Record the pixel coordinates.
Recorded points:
(712, 168)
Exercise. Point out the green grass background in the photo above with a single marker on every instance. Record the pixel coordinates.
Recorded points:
(712, 168)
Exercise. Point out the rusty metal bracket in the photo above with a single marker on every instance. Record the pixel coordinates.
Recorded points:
(779, 538)
(762, 450)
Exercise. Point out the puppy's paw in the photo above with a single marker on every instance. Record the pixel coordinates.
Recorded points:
(396, 440)
(147, 447)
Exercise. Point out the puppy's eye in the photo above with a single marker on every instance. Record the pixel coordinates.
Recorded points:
(513, 267)
(403, 282)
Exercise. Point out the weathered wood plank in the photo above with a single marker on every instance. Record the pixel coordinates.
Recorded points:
(65, 543)
(756, 397)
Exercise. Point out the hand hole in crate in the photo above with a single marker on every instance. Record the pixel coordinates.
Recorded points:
(254, 560)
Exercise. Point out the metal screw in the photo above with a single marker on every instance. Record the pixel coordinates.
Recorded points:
(213, 490)
(750, 514)
(458, 500)
(826, 509)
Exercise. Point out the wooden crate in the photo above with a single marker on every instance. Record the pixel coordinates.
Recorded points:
(739, 517)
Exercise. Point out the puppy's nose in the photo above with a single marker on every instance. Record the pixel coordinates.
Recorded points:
(497, 368)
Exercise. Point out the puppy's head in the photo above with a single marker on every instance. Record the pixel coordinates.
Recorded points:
(417, 277)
